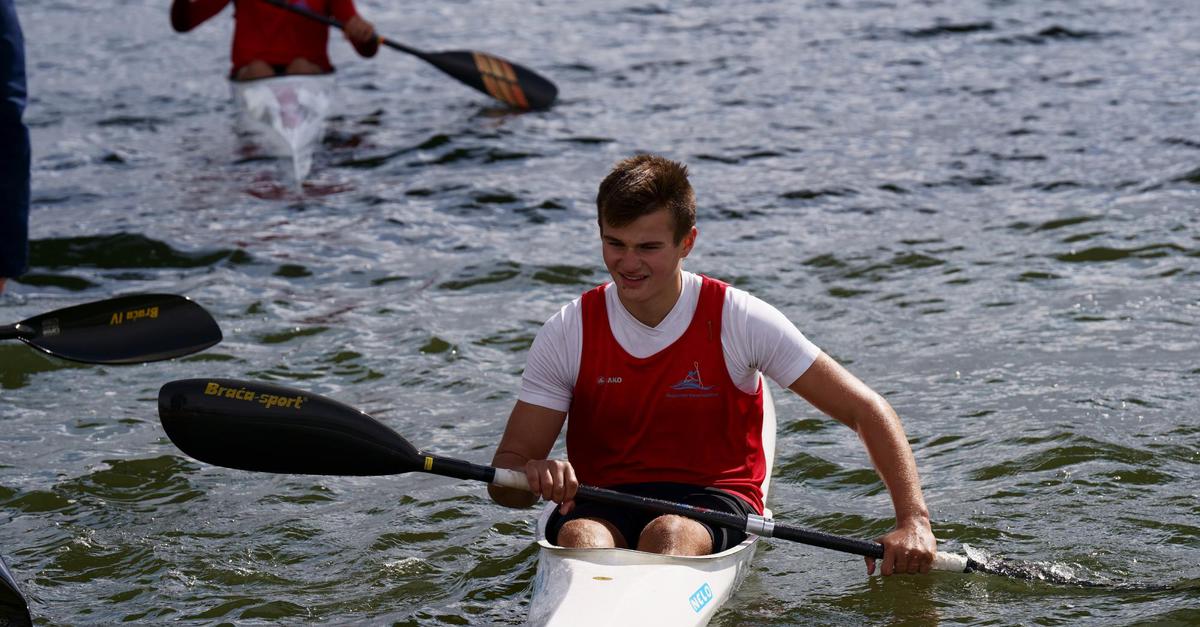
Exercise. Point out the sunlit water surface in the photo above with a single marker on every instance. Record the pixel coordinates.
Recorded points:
(988, 210)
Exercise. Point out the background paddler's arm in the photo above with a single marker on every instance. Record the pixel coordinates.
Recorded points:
(188, 14)
(359, 31)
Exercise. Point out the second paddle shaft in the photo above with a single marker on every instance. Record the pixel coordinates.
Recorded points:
(14, 331)
(329, 21)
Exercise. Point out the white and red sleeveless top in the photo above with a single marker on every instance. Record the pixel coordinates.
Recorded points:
(673, 416)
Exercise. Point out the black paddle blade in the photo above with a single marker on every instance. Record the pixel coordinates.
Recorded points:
(270, 428)
(123, 330)
(14, 610)
(505, 81)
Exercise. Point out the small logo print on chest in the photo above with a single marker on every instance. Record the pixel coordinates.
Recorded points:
(692, 386)
(607, 380)
(692, 381)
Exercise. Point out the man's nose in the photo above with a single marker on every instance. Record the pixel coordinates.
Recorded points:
(628, 260)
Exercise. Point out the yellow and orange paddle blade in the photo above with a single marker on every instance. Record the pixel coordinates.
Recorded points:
(503, 80)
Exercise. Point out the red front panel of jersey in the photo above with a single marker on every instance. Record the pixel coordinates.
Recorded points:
(674, 416)
(278, 37)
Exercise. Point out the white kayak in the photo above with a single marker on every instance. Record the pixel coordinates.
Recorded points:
(290, 111)
(623, 587)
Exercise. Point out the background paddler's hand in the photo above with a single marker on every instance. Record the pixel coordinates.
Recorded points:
(553, 480)
(361, 33)
(907, 549)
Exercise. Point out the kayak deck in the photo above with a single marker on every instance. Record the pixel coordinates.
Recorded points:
(290, 111)
(623, 586)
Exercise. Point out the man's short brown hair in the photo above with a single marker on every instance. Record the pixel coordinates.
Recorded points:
(643, 184)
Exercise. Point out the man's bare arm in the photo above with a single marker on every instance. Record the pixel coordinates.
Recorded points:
(832, 389)
(528, 437)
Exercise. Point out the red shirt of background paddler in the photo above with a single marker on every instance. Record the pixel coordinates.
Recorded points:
(270, 34)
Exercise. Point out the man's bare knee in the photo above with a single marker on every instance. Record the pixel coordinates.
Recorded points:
(590, 533)
(253, 70)
(303, 66)
(675, 535)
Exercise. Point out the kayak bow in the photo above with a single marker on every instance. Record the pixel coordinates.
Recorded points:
(290, 111)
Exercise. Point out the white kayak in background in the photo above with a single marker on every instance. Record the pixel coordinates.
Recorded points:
(290, 111)
(625, 587)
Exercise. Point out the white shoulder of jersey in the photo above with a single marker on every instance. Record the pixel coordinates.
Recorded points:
(553, 362)
(754, 336)
(757, 337)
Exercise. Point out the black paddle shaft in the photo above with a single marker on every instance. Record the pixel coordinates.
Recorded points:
(757, 525)
(329, 21)
(264, 427)
(16, 331)
(271, 428)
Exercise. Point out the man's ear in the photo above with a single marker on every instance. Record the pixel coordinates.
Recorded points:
(689, 241)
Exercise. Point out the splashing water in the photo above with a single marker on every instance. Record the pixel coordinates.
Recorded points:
(1049, 572)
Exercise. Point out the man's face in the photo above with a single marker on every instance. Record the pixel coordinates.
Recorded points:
(645, 263)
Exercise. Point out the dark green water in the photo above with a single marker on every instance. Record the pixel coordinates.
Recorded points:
(990, 211)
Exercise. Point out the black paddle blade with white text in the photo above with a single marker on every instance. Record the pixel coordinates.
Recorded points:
(503, 80)
(123, 330)
(263, 427)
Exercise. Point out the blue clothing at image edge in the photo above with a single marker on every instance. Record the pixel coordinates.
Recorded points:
(14, 147)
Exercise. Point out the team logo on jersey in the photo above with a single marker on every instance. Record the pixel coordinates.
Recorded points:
(692, 385)
(692, 380)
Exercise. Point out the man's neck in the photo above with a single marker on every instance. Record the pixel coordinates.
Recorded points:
(651, 313)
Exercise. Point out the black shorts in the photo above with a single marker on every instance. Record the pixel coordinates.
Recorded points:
(630, 521)
(280, 69)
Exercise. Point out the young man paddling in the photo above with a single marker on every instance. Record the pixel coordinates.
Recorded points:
(270, 41)
(659, 373)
